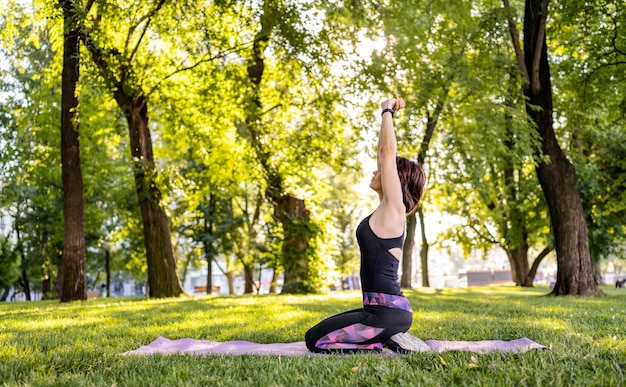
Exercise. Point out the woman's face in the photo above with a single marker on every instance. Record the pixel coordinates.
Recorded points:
(376, 183)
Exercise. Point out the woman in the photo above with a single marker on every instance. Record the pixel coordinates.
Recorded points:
(386, 313)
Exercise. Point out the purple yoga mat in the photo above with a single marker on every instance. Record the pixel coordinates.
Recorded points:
(207, 347)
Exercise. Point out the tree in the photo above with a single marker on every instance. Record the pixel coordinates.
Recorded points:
(556, 173)
(345, 213)
(490, 182)
(492, 187)
(31, 185)
(212, 173)
(588, 61)
(277, 121)
(73, 261)
(602, 170)
(118, 69)
(288, 209)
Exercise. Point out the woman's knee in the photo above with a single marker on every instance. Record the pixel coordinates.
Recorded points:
(310, 339)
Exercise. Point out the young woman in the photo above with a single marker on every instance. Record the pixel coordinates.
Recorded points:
(386, 313)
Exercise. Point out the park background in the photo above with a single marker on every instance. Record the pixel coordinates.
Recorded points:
(141, 142)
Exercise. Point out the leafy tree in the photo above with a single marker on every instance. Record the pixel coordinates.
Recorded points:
(602, 171)
(111, 213)
(122, 61)
(33, 189)
(284, 111)
(556, 173)
(31, 185)
(588, 60)
(492, 187)
(212, 175)
(488, 163)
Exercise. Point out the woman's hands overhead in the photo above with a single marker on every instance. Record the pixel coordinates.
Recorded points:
(393, 103)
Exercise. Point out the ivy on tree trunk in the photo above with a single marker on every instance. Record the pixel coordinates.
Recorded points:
(290, 211)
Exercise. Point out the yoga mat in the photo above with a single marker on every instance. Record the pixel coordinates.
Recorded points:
(163, 345)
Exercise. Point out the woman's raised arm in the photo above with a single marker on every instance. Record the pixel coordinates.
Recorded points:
(388, 219)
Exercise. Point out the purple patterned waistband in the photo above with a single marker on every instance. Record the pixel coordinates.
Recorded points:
(388, 300)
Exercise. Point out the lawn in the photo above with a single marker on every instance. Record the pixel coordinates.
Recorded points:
(48, 343)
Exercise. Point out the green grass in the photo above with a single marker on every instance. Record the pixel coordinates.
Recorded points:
(48, 343)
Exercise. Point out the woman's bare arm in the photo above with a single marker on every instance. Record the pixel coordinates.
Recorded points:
(388, 219)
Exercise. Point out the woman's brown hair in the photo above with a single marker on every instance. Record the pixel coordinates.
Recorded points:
(413, 180)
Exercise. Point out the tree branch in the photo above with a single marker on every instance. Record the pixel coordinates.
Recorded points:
(615, 31)
(516, 43)
(486, 237)
(88, 6)
(99, 57)
(600, 67)
(147, 18)
(431, 123)
(541, 33)
(533, 270)
(220, 55)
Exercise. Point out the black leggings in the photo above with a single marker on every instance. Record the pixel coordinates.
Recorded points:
(367, 328)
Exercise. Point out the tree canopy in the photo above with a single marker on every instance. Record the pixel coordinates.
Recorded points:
(234, 133)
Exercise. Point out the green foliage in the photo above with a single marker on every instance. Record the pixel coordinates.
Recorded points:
(591, 109)
(479, 161)
(452, 62)
(30, 192)
(44, 343)
(602, 181)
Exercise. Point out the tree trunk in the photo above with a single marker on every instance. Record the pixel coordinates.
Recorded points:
(274, 281)
(514, 224)
(556, 175)
(163, 280)
(298, 231)
(209, 274)
(248, 287)
(25, 282)
(5, 294)
(58, 281)
(230, 281)
(407, 253)
(251, 235)
(260, 280)
(107, 271)
(46, 283)
(407, 249)
(74, 278)
(423, 249)
(530, 277)
(208, 214)
(23, 278)
(518, 258)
